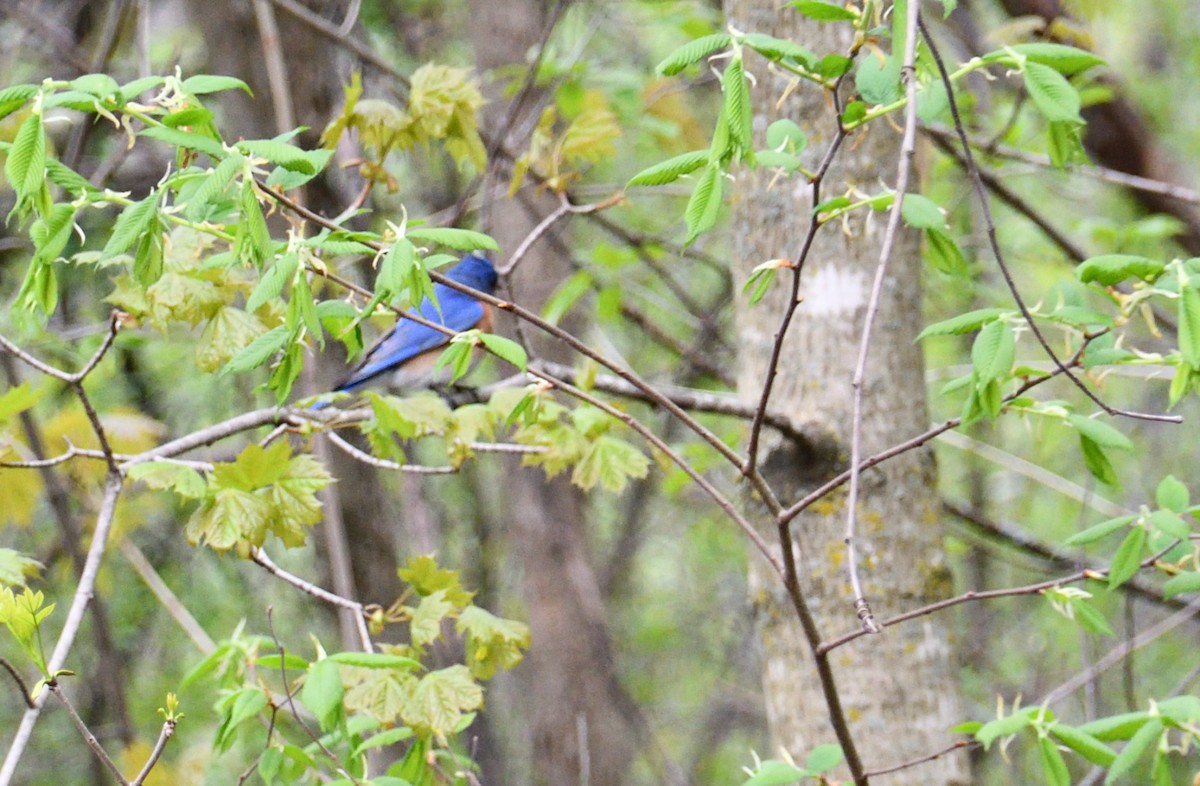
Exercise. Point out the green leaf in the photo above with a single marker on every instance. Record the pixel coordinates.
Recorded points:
(254, 245)
(133, 89)
(567, 294)
(214, 185)
(451, 237)
(425, 627)
(1053, 766)
(1098, 531)
(15, 567)
(962, 323)
(878, 78)
(823, 12)
(133, 222)
(322, 693)
(17, 399)
(1138, 744)
(258, 351)
(610, 462)
(187, 139)
(287, 156)
(14, 97)
(920, 212)
(1170, 524)
(1084, 744)
(1128, 559)
(238, 708)
(786, 136)
(774, 772)
(944, 253)
(439, 699)
(1100, 432)
(1112, 269)
(738, 113)
(778, 48)
(1189, 325)
(824, 758)
(272, 283)
(492, 643)
(25, 166)
(1116, 727)
(1172, 495)
(1184, 582)
(993, 351)
(1066, 60)
(167, 475)
(201, 84)
(1096, 462)
(1002, 727)
(693, 52)
(426, 578)
(704, 204)
(375, 660)
(1053, 95)
(506, 349)
(670, 170)
(1090, 618)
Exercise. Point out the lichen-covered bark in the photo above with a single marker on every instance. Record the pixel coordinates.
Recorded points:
(899, 688)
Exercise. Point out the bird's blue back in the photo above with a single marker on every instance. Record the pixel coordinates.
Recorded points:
(410, 339)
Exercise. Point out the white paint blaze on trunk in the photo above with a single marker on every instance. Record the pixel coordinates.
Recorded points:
(899, 689)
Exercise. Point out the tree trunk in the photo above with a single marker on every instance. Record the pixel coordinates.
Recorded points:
(899, 689)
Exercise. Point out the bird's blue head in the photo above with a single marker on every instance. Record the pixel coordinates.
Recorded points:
(475, 271)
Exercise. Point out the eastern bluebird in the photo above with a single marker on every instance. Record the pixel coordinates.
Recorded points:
(411, 349)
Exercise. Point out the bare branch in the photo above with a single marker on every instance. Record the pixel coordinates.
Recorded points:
(16, 675)
(260, 556)
(164, 736)
(86, 733)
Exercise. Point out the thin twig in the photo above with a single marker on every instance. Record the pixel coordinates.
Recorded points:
(333, 599)
(164, 736)
(997, 252)
(960, 745)
(908, 147)
(66, 639)
(1119, 653)
(86, 733)
(374, 461)
(16, 675)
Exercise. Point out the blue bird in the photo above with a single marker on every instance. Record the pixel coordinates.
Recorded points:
(411, 349)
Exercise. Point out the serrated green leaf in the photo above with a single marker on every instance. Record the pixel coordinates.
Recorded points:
(187, 139)
(167, 475)
(322, 693)
(238, 708)
(1116, 727)
(1100, 432)
(425, 627)
(693, 52)
(506, 349)
(133, 89)
(1128, 559)
(670, 170)
(14, 97)
(778, 48)
(1090, 618)
(273, 281)
(375, 660)
(439, 699)
(1067, 60)
(878, 79)
(823, 12)
(944, 253)
(993, 352)
(25, 166)
(15, 568)
(492, 643)
(200, 84)
(921, 212)
(133, 222)
(704, 204)
(1002, 727)
(1096, 462)
(1055, 97)
(287, 156)
(962, 323)
(1084, 744)
(1098, 531)
(1054, 768)
(610, 462)
(1189, 325)
(452, 237)
(1112, 269)
(1138, 744)
(738, 112)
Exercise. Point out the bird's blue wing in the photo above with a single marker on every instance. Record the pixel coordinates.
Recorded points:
(409, 339)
